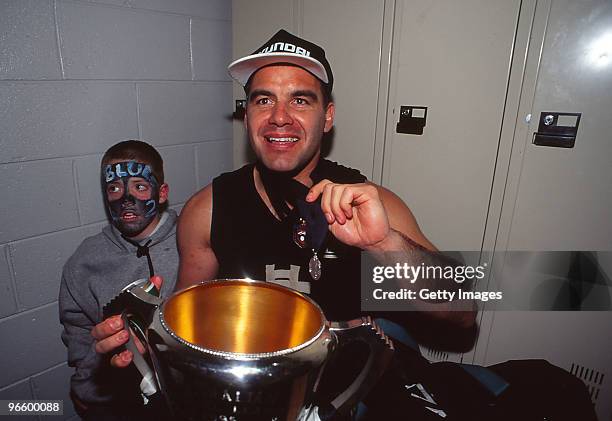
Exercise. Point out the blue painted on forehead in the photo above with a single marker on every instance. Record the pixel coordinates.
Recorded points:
(127, 169)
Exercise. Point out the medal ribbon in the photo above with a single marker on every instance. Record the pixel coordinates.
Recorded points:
(283, 190)
(310, 227)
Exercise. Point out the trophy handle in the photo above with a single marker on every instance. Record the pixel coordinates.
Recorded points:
(381, 351)
(138, 320)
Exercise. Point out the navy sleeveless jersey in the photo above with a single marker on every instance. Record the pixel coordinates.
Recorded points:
(249, 242)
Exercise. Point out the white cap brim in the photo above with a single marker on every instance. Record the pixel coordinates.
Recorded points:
(242, 69)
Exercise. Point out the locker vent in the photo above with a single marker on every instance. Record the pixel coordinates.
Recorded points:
(591, 377)
(435, 355)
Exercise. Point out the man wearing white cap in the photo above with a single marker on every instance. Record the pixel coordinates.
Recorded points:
(293, 217)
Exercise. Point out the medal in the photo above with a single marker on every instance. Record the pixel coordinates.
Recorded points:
(314, 266)
(309, 231)
(299, 233)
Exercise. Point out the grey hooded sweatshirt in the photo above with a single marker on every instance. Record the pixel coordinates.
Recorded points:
(97, 271)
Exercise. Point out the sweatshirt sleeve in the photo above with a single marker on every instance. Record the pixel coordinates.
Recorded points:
(77, 308)
(94, 381)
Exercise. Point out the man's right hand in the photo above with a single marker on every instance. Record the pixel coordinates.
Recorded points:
(110, 333)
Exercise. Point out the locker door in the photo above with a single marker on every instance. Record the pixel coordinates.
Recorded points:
(453, 58)
(561, 198)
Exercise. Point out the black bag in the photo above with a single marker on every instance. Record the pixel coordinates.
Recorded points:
(527, 390)
(541, 391)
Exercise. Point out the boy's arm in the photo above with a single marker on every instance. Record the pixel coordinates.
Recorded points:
(77, 325)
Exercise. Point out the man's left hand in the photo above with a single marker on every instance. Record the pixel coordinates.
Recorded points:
(355, 212)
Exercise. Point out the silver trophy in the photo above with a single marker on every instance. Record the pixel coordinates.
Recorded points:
(246, 350)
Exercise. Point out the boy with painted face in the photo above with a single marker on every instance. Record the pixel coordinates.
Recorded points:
(132, 196)
(135, 197)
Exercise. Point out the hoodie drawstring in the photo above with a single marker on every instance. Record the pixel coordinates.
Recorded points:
(142, 250)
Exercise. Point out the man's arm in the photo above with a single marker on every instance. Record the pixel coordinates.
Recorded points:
(406, 238)
(376, 220)
(197, 259)
(401, 219)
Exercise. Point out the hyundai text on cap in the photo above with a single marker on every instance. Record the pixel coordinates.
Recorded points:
(284, 47)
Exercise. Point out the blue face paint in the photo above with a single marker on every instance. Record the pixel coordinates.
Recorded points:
(129, 214)
(129, 169)
(150, 208)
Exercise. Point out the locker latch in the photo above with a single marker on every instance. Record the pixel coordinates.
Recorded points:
(412, 119)
(240, 109)
(557, 129)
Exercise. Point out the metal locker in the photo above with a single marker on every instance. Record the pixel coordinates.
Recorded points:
(559, 198)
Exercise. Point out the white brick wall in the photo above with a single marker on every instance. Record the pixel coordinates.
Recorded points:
(75, 78)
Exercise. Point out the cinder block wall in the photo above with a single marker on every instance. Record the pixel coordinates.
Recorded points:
(76, 77)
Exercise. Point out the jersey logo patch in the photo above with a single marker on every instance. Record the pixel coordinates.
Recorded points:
(289, 278)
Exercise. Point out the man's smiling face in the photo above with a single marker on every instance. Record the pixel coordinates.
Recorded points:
(286, 118)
